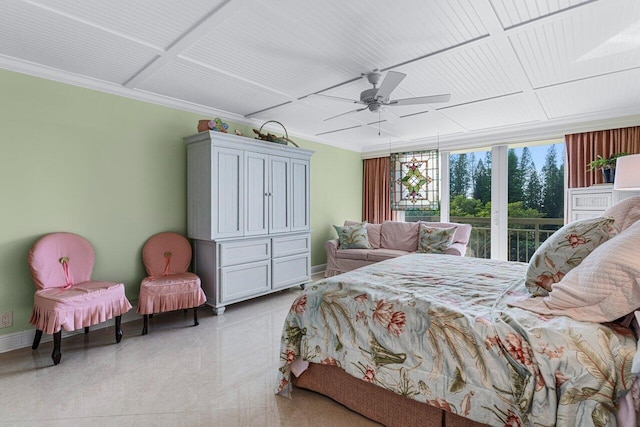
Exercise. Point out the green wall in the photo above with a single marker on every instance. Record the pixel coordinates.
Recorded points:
(113, 170)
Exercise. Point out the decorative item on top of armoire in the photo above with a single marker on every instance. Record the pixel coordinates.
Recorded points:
(606, 165)
(274, 138)
(215, 125)
(248, 213)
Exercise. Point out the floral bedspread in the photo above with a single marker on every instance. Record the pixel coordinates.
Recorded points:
(438, 329)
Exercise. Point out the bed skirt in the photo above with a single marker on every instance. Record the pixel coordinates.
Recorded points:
(376, 403)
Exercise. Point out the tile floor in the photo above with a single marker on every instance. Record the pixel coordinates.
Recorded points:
(222, 373)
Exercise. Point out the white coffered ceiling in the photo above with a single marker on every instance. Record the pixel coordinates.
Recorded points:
(515, 69)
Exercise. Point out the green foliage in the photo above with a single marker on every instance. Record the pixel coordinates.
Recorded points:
(553, 185)
(482, 179)
(516, 177)
(518, 210)
(458, 171)
(532, 194)
(605, 163)
(463, 206)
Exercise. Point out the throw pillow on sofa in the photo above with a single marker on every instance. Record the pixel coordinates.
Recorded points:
(435, 240)
(353, 236)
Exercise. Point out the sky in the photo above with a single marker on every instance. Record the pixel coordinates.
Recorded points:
(538, 154)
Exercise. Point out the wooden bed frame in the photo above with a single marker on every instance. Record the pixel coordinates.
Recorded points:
(376, 403)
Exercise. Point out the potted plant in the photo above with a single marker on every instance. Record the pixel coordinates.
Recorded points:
(607, 165)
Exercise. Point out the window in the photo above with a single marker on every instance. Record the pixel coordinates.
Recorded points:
(535, 196)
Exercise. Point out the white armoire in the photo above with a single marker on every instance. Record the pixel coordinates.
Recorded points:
(248, 207)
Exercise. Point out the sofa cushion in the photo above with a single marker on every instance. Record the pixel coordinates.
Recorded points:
(435, 240)
(463, 231)
(376, 255)
(359, 254)
(352, 236)
(373, 231)
(402, 236)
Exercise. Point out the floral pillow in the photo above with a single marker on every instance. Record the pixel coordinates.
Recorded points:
(564, 250)
(435, 240)
(353, 236)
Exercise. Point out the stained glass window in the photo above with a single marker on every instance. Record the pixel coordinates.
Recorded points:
(415, 181)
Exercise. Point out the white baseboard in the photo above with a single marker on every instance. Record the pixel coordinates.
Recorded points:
(24, 339)
(318, 268)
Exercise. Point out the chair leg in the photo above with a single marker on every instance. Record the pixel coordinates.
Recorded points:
(118, 328)
(36, 339)
(145, 324)
(57, 342)
(86, 329)
(195, 316)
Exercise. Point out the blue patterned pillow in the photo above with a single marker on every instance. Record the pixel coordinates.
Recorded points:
(353, 236)
(435, 240)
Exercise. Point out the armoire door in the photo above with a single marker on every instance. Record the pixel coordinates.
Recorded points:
(279, 194)
(227, 188)
(300, 190)
(257, 194)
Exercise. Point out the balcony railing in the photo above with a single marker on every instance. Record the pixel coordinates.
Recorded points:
(525, 235)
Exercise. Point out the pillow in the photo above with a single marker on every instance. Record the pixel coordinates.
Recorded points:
(435, 240)
(373, 232)
(353, 236)
(402, 236)
(564, 250)
(625, 212)
(605, 287)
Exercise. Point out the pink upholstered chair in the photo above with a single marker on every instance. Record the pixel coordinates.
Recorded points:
(66, 297)
(166, 257)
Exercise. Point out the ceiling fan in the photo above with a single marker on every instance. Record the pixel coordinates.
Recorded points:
(377, 97)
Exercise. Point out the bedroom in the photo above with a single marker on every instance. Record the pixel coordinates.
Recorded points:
(98, 158)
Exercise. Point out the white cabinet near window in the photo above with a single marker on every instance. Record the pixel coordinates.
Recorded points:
(590, 202)
(248, 213)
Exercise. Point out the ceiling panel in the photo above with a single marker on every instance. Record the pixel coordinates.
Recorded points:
(515, 12)
(494, 113)
(477, 72)
(427, 125)
(306, 117)
(68, 45)
(144, 20)
(501, 61)
(603, 39)
(303, 47)
(606, 93)
(183, 80)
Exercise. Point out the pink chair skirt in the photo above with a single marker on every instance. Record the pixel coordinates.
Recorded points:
(85, 304)
(167, 293)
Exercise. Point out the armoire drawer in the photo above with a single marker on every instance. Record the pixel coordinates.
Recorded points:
(240, 281)
(243, 251)
(291, 270)
(291, 245)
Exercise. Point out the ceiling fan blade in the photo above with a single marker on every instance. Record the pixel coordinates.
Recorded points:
(345, 114)
(333, 98)
(421, 100)
(390, 82)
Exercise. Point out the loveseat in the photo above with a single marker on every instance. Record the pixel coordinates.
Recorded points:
(390, 239)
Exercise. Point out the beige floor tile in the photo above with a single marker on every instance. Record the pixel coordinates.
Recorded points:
(221, 373)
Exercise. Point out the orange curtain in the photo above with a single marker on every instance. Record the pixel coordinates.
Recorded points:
(581, 148)
(376, 199)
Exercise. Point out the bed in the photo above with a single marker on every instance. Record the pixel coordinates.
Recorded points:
(433, 340)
